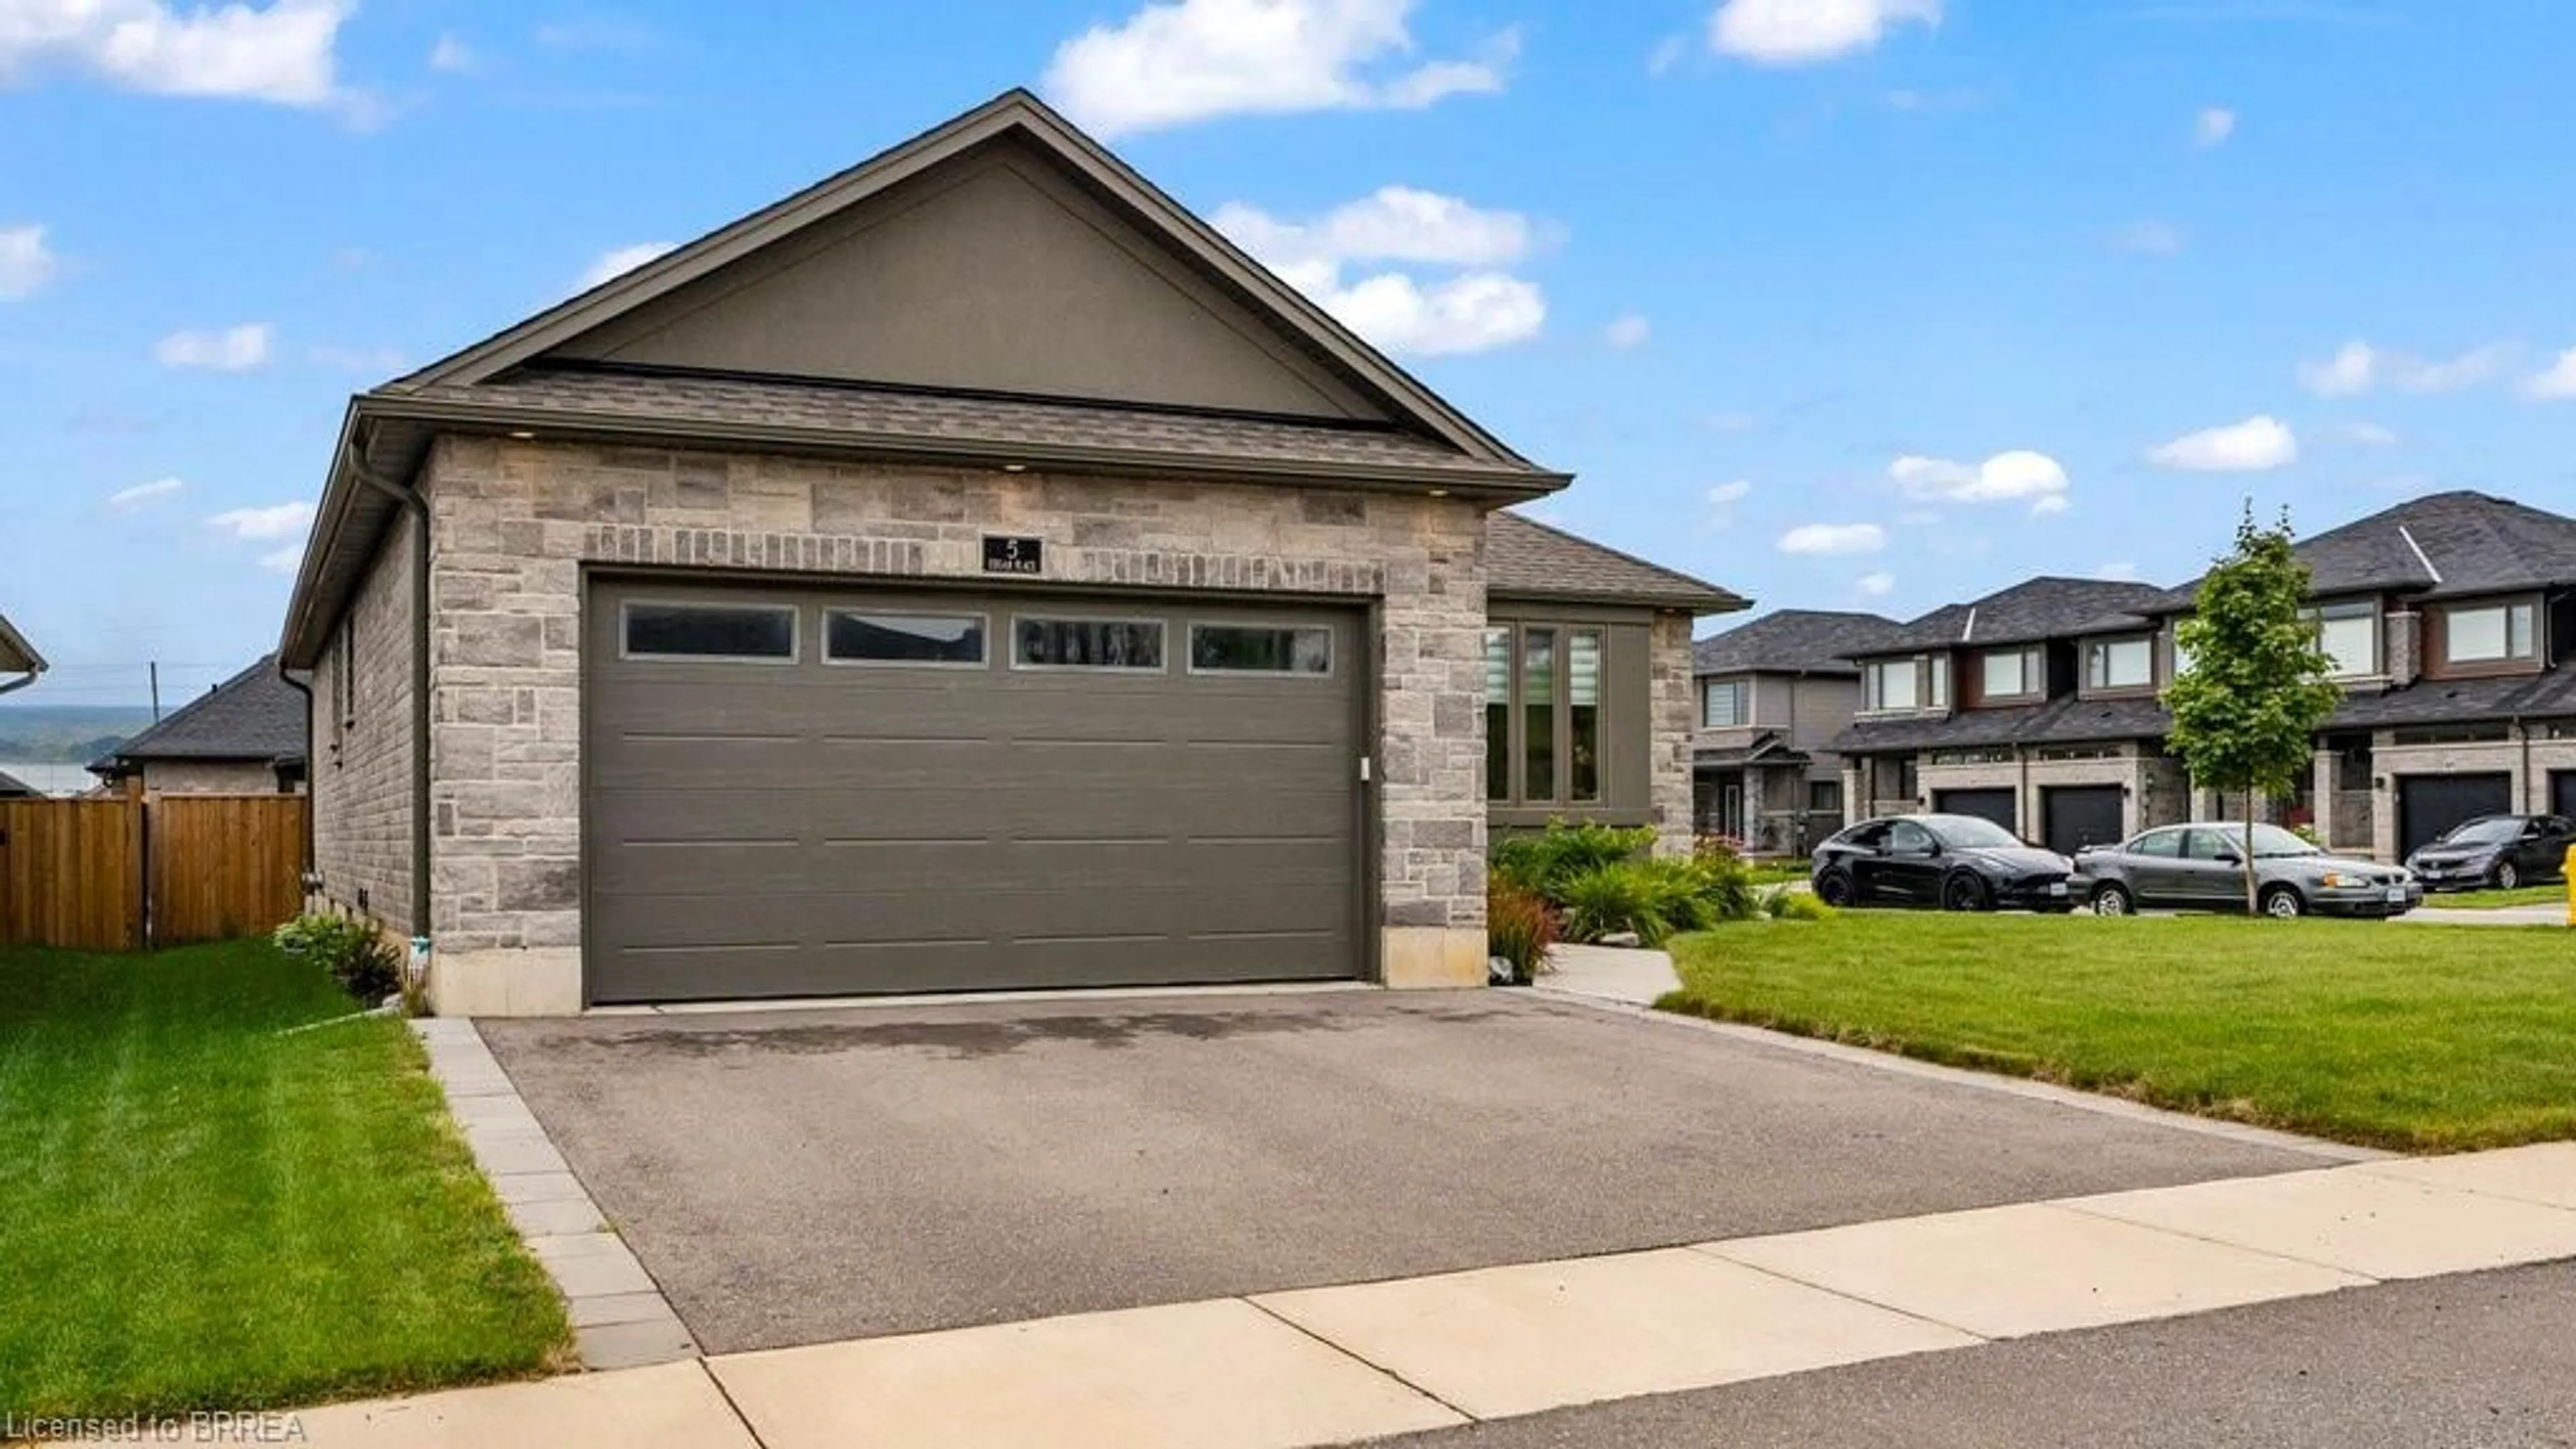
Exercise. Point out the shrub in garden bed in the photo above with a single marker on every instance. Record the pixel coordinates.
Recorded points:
(366, 965)
(1519, 927)
(1601, 881)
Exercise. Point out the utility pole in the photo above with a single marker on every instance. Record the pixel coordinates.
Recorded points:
(155, 667)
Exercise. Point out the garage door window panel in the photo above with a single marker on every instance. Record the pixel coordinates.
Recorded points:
(709, 633)
(1261, 649)
(950, 641)
(1132, 646)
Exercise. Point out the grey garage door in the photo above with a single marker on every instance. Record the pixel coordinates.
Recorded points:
(2080, 815)
(2562, 794)
(2427, 805)
(815, 791)
(1999, 806)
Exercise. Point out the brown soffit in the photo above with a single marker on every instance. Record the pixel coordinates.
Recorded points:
(1013, 111)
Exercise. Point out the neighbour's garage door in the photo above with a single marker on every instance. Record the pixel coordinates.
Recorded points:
(2427, 805)
(2562, 793)
(2076, 816)
(1995, 805)
(810, 791)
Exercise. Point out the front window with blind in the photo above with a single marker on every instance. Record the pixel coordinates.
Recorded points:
(2490, 635)
(1725, 703)
(1544, 708)
(2119, 664)
(2349, 635)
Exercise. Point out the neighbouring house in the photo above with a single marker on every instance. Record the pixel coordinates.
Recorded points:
(1773, 694)
(2452, 623)
(17, 658)
(970, 572)
(246, 736)
(13, 788)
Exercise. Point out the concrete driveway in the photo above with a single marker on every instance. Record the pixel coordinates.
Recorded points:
(795, 1177)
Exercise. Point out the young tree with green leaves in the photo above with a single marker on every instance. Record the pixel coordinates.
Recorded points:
(2246, 714)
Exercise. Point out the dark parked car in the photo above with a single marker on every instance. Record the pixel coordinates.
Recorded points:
(2502, 851)
(1954, 862)
(2201, 867)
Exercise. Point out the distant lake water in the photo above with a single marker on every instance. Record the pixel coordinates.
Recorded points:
(53, 779)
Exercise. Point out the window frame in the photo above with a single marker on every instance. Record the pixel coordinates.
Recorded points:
(1515, 743)
(2023, 657)
(2510, 609)
(626, 625)
(1162, 633)
(983, 619)
(1742, 689)
(1874, 693)
(1190, 653)
(2347, 610)
(2098, 650)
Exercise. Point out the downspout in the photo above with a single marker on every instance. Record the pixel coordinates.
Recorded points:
(305, 688)
(418, 507)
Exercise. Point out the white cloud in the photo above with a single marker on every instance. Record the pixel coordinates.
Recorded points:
(2117, 572)
(235, 349)
(1189, 60)
(2212, 127)
(2149, 238)
(26, 265)
(1877, 585)
(1834, 538)
(452, 55)
(1668, 52)
(282, 52)
(2554, 382)
(1627, 332)
(2368, 435)
(1726, 493)
(284, 560)
(2256, 445)
(2358, 367)
(1467, 312)
(278, 520)
(2005, 477)
(143, 495)
(621, 261)
(1798, 32)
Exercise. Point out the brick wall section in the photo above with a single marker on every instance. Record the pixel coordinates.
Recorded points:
(1676, 713)
(514, 522)
(361, 772)
(209, 777)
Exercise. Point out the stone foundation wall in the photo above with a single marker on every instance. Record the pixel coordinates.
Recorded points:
(516, 522)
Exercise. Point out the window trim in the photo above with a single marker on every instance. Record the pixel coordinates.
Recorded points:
(1743, 690)
(795, 633)
(2025, 657)
(1190, 653)
(2349, 609)
(1162, 630)
(1916, 664)
(2506, 661)
(1561, 710)
(2100, 648)
(856, 611)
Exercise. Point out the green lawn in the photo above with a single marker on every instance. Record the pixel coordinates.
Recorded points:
(1777, 872)
(2422, 1038)
(201, 1213)
(2539, 895)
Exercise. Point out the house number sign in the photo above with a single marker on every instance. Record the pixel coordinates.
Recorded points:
(1003, 555)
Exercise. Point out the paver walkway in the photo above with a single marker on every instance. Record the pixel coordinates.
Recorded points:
(1329, 1365)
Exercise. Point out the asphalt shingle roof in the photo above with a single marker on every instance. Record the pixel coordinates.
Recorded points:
(2067, 720)
(2441, 701)
(255, 715)
(831, 409)
(1528, 559)
(11, 787)
(2046, 607)
(2475, 543)
(1793, 641)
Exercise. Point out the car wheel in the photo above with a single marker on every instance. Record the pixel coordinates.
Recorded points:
(2507, 875)
(1963, 892)
(1834, 888)
(2282, 903)
(2112, 900)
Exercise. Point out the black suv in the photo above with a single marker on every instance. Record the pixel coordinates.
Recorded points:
(1953, 862)
(2498, 851)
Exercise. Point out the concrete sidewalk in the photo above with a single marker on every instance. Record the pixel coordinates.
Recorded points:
(1329, 1365)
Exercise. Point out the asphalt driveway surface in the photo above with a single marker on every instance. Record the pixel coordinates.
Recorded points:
(794, 1177)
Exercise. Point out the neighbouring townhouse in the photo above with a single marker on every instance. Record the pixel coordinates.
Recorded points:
(246, 736)
(2451, 621)
(970, 572)
(1774, 694)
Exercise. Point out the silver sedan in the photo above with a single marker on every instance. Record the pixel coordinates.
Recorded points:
(2201, 867)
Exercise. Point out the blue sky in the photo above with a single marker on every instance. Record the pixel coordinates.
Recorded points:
(1840, 303)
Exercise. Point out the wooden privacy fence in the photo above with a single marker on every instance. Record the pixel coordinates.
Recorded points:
(119, 875)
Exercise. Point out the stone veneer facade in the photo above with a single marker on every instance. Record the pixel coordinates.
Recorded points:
(1676, 719)
(514, 523)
